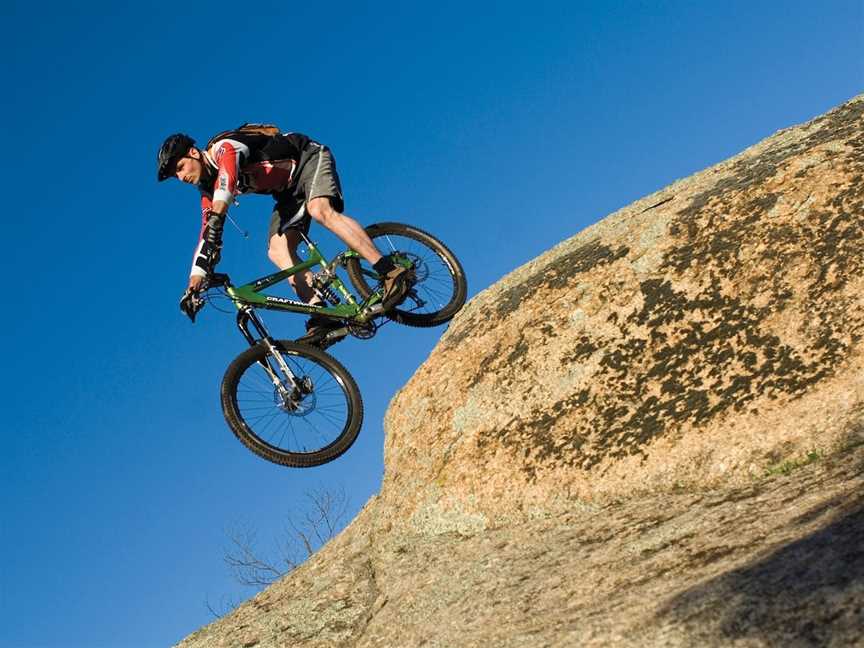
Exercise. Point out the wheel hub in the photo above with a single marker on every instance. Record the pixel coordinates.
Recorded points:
(297, 402)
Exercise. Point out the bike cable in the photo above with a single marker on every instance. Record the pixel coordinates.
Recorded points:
(245, 233)
(214, 300)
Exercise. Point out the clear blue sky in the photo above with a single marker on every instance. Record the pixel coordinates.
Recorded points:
(502, 127)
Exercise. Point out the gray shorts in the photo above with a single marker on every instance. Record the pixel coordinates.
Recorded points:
(317, 177)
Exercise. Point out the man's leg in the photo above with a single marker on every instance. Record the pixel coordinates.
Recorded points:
(319, 182)
(345, 227)
(282, 251)
(397, 280)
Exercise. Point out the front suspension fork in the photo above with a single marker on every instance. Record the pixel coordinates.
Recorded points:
(246, 316)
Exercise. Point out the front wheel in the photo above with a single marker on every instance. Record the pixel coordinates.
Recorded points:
(440, 289)
(304, 417)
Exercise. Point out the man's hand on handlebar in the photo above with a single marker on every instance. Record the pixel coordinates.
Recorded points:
(191, 302)
(195, 283)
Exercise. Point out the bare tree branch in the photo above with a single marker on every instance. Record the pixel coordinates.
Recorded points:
(321, 521)
(225, 606)
(244, 561)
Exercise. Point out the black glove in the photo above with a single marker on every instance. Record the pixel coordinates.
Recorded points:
(214, 225)
(214, 255)
(213, 236)
(190, 303)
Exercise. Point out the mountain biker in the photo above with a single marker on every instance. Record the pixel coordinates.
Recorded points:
(301, 176)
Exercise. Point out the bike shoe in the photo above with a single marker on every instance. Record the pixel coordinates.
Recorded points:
(397, 284)
(317, 330)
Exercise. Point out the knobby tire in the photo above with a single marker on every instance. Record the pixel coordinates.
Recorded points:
(247, 364)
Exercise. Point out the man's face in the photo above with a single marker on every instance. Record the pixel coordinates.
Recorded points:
(188, 168)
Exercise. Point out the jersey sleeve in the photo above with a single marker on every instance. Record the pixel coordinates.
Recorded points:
(203, 251)
(229, 156)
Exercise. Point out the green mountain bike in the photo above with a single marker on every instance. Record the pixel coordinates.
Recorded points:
(295, 404)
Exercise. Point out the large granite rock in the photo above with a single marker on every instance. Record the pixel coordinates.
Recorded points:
(650, 435)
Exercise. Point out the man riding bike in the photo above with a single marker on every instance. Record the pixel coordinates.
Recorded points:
(301, 176)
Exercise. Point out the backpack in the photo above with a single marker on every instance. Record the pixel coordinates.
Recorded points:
(268, 130)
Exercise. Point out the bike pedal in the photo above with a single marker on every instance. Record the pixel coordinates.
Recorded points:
(338, 334)
(332, 338)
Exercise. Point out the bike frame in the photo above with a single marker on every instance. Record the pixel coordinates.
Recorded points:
(248, 297)
(250, 294)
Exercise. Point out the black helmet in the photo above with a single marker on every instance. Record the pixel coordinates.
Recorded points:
(173, 148)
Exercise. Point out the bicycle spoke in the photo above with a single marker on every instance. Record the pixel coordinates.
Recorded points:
(289, 420)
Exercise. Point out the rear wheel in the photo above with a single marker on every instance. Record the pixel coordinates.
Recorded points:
(304, 420)
(440, 289)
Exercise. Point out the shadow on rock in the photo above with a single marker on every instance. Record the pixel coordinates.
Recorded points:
(809, 592)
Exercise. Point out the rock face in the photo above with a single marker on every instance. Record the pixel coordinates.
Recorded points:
(653, 434)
